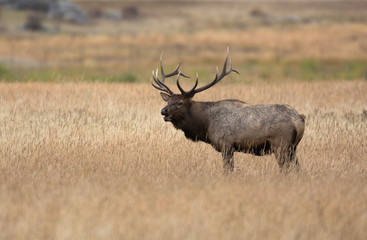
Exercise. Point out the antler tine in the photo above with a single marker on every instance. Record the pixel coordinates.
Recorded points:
(230, 69)
(162, 72)
(191, 92)
(159, 83)
(175, 72)
(225, 72)
(160, 86)
(162, 89)
(179, 86)
(156, 79)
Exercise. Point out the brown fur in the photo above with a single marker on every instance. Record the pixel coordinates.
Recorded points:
(234, 126)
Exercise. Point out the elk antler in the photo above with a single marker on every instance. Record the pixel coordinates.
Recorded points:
(225, 72)
(160, 82)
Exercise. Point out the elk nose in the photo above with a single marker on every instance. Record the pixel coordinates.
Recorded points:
(164, 111)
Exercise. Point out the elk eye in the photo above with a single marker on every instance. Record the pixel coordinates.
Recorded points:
(180, 104)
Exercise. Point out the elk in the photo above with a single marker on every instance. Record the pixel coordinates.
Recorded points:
(232, 125)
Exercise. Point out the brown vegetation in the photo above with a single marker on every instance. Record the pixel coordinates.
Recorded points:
(92, 161)
(140, 52)
(97, 161)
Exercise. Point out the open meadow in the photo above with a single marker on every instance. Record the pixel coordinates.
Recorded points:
(97, 161)
(86, 154)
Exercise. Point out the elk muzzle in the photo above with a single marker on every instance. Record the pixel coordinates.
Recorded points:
(166, 117)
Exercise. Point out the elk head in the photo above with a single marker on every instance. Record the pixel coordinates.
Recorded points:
(178, 104)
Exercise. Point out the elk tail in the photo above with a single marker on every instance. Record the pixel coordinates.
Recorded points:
(303, 117)
(299, 129)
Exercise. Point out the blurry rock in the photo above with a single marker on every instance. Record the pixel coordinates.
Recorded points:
(34, 22)
(257, 12)
(57, 9)
(95, 13)
(36, 5)
(67, 11)
(130, 12)
(113, 15)
(282, 19)
(2, 27)
(291, 19)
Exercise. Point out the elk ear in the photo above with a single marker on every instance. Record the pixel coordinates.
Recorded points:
(165, 96)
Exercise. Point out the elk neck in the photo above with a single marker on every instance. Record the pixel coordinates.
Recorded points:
(195, 122)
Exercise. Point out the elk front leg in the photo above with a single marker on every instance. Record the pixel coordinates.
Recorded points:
(228, 161)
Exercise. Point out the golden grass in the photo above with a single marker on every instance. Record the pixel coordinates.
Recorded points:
(96, 161)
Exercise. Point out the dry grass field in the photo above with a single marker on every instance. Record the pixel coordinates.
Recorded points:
(97, 161)
(81, 158)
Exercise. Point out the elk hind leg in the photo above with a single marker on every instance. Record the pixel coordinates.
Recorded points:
(228, 161)
(287, 159)
(292, 158)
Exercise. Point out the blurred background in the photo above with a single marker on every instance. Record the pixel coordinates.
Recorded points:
(121, 41)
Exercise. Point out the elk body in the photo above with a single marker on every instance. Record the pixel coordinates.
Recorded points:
(232, 125)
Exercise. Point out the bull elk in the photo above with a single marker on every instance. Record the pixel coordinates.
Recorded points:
(232, 125)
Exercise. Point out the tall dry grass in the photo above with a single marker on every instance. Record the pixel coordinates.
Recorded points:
(96, 161)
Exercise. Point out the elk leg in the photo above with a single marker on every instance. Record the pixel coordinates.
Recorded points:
(286, 157)
(278, 156)
(280, 159)
(293, 160)
(228, 161)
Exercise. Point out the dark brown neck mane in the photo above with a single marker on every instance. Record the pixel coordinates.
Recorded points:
(195, 123)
